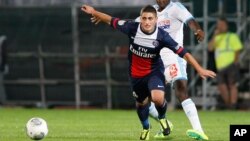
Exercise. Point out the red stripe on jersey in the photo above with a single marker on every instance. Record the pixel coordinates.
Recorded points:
(140, 67)
(115, 21)
(179, 50)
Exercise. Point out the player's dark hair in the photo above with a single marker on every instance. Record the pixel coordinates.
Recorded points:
(150, 9)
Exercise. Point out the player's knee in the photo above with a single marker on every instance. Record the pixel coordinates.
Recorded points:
(158, 100)
(157, 96)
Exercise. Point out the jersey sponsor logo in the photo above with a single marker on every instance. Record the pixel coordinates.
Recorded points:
(164, 24)
(173, 70)
(142, 52)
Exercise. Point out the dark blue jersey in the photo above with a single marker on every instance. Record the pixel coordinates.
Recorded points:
(144, 49)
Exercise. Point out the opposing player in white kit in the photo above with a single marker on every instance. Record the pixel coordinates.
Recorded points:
(171, 18)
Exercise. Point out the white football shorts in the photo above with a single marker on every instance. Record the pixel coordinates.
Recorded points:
(175, 66)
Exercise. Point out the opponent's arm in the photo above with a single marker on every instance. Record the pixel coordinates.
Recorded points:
(202, 72)
(195, 27)
(96, 14)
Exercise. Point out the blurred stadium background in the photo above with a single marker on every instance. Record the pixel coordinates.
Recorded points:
(56, 57)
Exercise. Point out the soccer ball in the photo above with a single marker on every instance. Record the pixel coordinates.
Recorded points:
(36, 128)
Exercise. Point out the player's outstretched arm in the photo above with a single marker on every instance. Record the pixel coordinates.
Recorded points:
(202, 72)
(96, 14)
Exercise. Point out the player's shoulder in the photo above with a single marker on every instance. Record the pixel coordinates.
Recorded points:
(178, 5)
(129, 22)
(162, 33)
(133, 23)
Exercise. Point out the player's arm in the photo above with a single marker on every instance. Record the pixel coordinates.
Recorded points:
(185, 16)
(121, 25)
(96, 14)
(201, 71)
(182, 52)
(195, 27)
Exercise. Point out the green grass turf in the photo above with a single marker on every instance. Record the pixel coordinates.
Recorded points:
(108, 125)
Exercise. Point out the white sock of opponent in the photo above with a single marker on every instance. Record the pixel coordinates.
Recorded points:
(153, 112)
(192, 114)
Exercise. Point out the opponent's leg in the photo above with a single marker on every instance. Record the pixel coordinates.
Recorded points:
(153, 111)
(190, 110)
(177, 75)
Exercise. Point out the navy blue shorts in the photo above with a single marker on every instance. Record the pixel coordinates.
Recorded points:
(142, 86)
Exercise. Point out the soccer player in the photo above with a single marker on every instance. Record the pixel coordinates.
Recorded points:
(171, 18)
(146, 69)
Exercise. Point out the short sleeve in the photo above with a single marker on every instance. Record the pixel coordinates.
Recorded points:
(121, 25)
(173, 45)
(182, 13)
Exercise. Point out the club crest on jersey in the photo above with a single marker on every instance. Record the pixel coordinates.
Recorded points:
(155, 43)
(164, 24)
(121, 22)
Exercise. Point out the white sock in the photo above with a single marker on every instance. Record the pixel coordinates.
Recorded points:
(192, 114)
(153, 112)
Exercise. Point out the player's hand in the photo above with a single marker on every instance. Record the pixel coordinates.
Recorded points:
(87, 9)
(199, 35)
(95, 20)
(204, 73)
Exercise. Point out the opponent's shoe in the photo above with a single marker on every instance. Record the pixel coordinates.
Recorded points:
(196, 134)
(145, 134)
(160, 134)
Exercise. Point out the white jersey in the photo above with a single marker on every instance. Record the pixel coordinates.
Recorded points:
(172, 20)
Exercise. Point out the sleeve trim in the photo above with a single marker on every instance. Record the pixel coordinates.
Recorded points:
(114, 22)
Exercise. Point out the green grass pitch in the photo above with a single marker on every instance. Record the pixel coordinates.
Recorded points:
(111, 125)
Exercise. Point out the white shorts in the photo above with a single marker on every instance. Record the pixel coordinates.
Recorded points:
(175, 66)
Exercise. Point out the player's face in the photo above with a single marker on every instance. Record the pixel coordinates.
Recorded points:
(162, 3)
(148, 22)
